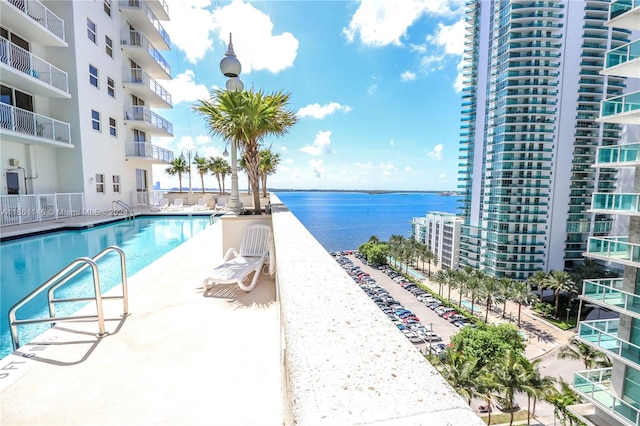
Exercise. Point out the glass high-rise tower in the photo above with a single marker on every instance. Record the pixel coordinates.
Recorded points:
(529, 132)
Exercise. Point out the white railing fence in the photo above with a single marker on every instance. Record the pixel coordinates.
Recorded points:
(30, 208)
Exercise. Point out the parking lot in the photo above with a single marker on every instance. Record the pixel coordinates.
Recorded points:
(399, 300)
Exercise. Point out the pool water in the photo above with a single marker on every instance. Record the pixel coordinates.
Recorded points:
(29, 262)
(476, 307)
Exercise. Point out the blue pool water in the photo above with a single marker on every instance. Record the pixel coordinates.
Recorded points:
(29, 262)
(476, 307)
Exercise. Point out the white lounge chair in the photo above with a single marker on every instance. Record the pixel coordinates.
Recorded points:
(221, 204)
(178, 204)
(201, 205)
(236, 266)
(164, 204)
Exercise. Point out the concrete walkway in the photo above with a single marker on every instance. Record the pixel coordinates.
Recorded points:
(180, 358)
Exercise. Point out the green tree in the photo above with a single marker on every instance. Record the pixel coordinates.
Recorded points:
(489, 291)
(440, 278)
(218, 166)
(473, 283)
(559, 281)
(511, 376)
(375, 253)
(374, 239)
(488, 343)
(178, 166)
(590, 357)
(520, 294)
(247, 118)
(461, 372)
(538, 280)
(450, 278)
(203, 165)
(505, 290)
(268, 165)
(561, 399)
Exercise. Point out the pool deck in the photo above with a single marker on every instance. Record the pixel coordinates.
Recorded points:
(180, 358)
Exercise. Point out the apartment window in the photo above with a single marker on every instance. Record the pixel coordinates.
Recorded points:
(107, 7)
(108, 46)
(116, 183)
(100, 183)
(93, 75)
(91, 31)
(95, 120)
(111, 87)
(112, 127)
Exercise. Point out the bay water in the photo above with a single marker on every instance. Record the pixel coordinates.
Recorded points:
(344, 220)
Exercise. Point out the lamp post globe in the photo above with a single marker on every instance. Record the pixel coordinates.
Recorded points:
(230, 67)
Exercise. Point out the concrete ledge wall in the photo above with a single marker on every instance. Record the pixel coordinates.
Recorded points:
(344, 362)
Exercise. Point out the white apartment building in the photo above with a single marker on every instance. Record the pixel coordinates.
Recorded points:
(80, 81)
(529, 133)
(440, 232)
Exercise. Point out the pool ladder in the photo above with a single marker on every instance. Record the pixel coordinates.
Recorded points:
(130, 213)
(61, 278)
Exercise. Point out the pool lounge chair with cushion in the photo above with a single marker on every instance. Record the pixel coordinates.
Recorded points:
(178, 204)
(221, 204)
(236, 267)
(201, 205)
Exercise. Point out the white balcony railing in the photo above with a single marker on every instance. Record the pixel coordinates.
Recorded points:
(139, 76)
(30, 64)
(18, 209)
(144, 114)
(150, 151)
(137, 39)
(144, 8)
(29, 123)
(42, 15)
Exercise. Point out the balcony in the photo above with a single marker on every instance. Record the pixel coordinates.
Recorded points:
(603, 335)
(614, 249)
(623, 61)
(143, 118)
(624, 14)
(615, 203)
(595, 386)
(623, 109)
(138, 82)
(159, 8)
(25, 71)
(22, 126)
(609, 294)
(140, 15)
(139, 48)
(149, 151)
(37, 23)
(618, 156)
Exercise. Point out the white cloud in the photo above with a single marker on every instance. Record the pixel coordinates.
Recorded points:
(321, 144)
(408, 169)
(321, 111)
(283, 148)
(388, 167)
(316, 167)
(193, 25)
(372, 88)
(392, 142)
(253, 40)
(450, 37)
(436, 152)
(288, 161)
(442, 176)
(366, 165)
(408, 76)
(383, 22)
(190, 26)
(183, 88)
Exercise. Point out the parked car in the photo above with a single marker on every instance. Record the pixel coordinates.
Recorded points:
(455, 317)
(447, 315)
(503, 405)
(486, 408)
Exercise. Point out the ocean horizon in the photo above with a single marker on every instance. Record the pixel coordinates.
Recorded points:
(342, 220)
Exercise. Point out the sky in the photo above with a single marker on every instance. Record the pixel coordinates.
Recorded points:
(376, 86)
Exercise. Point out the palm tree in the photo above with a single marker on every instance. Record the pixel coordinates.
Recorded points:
(591, 358)
(373, 239)
(520, 294)
(440, 278)
(587, 269)
(561, 399)
(268, 165)
(430, 257)
(536, 387)
(505, 286)
(559, 281)
(450, 278)
(203, 166)
(485, 389)
(461, 373)
(511, 375)
(472, 284)
(247, 117)
(489, 290)
(538, 280)
(178, 166)
(218, 167)
(395, 244)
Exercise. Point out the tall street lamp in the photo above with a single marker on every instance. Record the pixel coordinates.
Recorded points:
(230, 67)
(189, 152)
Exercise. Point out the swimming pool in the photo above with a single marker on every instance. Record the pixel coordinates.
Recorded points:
(476, 307)
(29, 262)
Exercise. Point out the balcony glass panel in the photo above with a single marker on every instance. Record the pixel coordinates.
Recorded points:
(608, 292)
(23, 60)
(139, 76)
(140, 113)
(620, 104)
(615, 248)
(623, 203)
(595, 386)
(623, 54)
(144, 8)
(618, 154)
(32, 124)
(604, 335)
(147, 150)
(136, 38)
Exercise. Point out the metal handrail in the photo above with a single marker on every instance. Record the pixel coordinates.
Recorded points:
(127, 207)
(70, 271)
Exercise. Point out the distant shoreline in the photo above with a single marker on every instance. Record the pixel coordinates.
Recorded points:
(363, 191)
